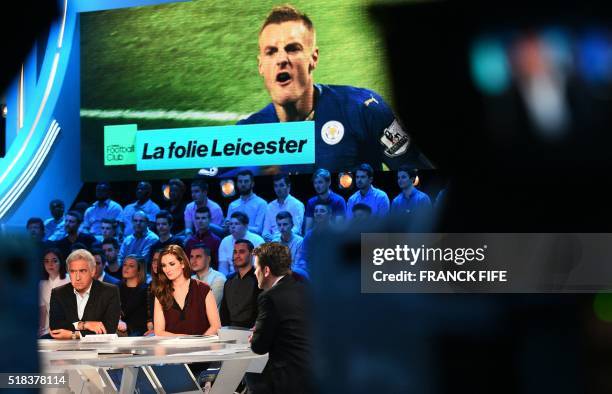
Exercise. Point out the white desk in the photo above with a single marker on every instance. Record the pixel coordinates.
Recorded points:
(135, 352)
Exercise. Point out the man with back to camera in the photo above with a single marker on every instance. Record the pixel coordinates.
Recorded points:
(282, 325)
(349, 122)
(83, 306)
(367, 194)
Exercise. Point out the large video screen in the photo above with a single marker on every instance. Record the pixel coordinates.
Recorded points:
(187, 73)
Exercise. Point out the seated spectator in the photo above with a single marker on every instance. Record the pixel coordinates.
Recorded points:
(54, 275)
(141, 241)
(367, 194)
(83, 306)
(248, 203)
(199, 194)
(163, 225)
(80, 207)
(110, 246)
(284, 222)
(204, 235)
(150, 294)
(143, 203)
(101, 274)
(36, 230)
(72, 223)
(239, 303)
(199, 260)
(321, 181)
(238, 226)
(54, 226)
(410, 200)
(176, 205)
(133, 294)
(321, 221)
(109, 230)
(361, 213)
(103, 208)
(183, 306)
(284, 202)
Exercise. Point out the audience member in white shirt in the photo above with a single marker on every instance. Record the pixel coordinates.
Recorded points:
(54, 275)
(238, 227)
(284, 202)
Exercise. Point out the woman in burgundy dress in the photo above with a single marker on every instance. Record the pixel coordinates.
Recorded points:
(183, 306)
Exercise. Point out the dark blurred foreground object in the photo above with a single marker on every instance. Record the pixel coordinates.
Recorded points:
(20, 273)
(506, 175)
(21, 24)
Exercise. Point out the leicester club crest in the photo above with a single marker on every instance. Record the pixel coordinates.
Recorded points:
(332, 132)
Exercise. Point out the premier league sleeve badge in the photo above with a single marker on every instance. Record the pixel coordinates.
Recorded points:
(395, 140)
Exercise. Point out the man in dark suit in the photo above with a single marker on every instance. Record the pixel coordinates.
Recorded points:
(281, 329)
(83, 306)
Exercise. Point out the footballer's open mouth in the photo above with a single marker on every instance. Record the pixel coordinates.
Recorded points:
(283, 78)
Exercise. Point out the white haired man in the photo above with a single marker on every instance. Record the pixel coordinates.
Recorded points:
(83, 306)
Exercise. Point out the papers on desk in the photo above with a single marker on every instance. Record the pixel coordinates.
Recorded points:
(98, 338)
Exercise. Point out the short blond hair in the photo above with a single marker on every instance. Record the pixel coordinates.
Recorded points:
(286, 13)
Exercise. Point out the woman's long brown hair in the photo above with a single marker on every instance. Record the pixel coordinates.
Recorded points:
(162, 288)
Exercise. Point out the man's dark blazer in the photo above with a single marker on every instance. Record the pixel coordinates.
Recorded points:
(282, 331)
(103, 305)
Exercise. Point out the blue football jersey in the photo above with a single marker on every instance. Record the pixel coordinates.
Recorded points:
(352, 126)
